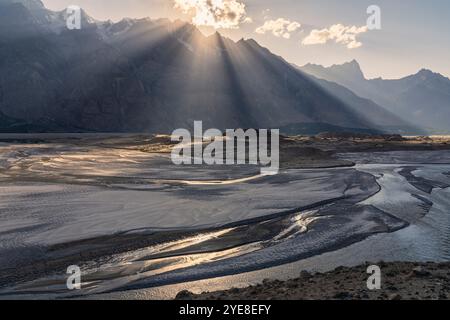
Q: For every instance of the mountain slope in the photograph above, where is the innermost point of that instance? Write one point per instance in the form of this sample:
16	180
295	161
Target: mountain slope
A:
157	75
385	119
423	98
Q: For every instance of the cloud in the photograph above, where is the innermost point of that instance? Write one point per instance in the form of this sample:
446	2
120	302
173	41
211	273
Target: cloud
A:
279	28
346	35
219	14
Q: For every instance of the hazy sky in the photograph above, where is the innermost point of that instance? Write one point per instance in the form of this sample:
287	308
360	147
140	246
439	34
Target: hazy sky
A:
414	33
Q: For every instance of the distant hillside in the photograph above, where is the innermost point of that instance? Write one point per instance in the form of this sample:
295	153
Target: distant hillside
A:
422	98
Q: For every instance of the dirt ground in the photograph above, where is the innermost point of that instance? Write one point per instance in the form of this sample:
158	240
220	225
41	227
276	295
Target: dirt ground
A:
399	281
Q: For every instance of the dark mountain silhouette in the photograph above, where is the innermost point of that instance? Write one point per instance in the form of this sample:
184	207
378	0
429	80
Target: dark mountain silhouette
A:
156	76
423	98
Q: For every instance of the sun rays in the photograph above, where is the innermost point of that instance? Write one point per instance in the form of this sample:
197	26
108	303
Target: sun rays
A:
218	14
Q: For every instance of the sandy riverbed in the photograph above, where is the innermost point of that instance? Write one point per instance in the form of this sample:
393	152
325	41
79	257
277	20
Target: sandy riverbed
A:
133	221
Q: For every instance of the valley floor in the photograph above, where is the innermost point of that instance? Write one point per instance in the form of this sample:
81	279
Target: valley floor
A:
136	224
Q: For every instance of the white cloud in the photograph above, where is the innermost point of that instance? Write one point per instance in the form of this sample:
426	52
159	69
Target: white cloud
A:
346	35
279	28
220	14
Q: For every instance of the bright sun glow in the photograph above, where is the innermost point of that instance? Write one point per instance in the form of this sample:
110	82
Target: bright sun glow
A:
219	14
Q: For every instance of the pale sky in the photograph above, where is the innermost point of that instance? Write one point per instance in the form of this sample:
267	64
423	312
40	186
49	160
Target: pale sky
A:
414	33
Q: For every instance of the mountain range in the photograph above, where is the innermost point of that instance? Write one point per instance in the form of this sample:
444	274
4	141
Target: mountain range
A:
422	98
143	75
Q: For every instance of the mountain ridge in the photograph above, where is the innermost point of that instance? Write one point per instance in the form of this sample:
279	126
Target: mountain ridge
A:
423	97
158	75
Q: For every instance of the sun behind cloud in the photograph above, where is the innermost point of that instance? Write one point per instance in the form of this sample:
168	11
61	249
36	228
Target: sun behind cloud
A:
219	14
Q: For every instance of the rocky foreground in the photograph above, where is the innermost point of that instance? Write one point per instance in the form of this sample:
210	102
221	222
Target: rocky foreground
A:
400	281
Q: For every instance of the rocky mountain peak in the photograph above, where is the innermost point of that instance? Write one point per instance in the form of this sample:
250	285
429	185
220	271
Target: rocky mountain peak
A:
352	68
30	4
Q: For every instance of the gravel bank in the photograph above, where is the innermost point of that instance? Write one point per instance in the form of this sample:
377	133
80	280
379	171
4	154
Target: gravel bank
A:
400	281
